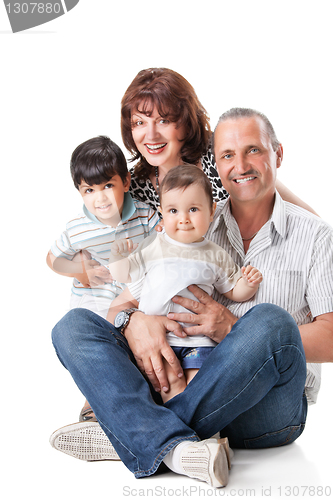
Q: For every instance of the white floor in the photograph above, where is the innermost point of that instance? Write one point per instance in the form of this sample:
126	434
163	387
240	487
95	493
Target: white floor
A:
32	466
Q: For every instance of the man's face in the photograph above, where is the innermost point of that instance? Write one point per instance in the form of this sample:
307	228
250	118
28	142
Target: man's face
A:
245	159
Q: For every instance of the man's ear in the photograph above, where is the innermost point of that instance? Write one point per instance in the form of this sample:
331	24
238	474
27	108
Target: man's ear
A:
279	154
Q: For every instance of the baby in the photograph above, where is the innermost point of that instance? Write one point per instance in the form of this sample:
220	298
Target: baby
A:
165	264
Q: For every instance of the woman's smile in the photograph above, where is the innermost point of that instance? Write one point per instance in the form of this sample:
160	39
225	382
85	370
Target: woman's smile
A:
155	148
158	139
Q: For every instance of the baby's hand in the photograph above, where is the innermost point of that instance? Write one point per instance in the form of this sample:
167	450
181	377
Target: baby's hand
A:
251	275
123	247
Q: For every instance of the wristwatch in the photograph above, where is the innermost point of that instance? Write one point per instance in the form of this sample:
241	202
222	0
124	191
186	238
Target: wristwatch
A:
123	317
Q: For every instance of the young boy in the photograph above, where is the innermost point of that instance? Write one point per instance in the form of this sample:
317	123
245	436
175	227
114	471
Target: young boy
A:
172	261
99	171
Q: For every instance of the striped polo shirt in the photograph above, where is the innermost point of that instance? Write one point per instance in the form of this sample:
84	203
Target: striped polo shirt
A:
86	232
294	252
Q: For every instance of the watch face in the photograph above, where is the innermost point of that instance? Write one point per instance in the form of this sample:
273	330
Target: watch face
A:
119	319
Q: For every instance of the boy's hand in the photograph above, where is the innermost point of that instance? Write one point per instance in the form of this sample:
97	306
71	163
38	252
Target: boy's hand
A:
251	275
97	275
160	226
93	274
123	247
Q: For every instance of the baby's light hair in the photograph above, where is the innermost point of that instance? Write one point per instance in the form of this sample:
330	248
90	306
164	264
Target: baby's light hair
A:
182	177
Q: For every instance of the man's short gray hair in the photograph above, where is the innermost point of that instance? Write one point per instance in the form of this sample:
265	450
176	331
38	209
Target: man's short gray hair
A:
236	113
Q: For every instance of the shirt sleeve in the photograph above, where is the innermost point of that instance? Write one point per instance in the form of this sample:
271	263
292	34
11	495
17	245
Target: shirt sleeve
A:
136	288
153	219
62	247
229	272
136	266
140	257
319	292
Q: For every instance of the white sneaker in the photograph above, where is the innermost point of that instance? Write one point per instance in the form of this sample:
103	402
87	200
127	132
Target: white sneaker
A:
207	460
84	440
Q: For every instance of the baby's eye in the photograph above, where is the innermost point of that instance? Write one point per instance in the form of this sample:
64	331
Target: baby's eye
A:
173	210
194	209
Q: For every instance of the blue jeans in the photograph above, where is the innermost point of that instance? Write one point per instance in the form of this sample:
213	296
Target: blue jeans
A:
251	387
192	357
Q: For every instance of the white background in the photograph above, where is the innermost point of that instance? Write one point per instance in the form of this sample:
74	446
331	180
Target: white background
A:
61	83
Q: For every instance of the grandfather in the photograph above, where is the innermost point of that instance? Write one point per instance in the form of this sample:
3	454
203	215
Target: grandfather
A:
254	387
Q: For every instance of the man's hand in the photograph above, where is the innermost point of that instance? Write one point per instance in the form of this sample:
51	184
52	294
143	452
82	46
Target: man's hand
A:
211	319
146	337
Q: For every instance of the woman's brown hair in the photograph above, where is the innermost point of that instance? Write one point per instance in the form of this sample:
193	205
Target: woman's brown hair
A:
175	100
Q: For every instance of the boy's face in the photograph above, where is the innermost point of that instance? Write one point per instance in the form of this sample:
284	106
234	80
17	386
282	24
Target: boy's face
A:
186	213
106	200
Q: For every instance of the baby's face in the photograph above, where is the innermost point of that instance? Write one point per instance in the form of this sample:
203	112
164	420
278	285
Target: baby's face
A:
186	213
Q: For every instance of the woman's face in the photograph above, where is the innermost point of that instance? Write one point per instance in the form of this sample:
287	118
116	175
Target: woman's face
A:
158	139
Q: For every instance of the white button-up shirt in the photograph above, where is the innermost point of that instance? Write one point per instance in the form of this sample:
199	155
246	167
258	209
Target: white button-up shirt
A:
294	253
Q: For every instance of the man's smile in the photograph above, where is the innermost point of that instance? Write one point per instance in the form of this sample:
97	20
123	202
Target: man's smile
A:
244	179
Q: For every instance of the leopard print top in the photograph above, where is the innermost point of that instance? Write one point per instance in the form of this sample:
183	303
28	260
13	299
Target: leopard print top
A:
144	191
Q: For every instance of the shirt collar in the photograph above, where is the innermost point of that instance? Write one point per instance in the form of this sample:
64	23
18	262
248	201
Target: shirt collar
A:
278	218
127	213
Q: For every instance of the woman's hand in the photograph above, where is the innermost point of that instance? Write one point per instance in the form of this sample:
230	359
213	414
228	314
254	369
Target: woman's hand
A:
209	317
146	337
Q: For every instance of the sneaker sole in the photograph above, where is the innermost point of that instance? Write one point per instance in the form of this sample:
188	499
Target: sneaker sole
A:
220	476
207	461
85	441
228	451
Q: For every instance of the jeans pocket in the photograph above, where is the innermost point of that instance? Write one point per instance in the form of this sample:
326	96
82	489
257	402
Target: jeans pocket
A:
273	439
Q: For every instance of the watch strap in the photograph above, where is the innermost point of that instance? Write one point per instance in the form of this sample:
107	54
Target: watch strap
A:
129	313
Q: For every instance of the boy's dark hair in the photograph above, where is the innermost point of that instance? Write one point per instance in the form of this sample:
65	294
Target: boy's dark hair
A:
97	160
182	177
